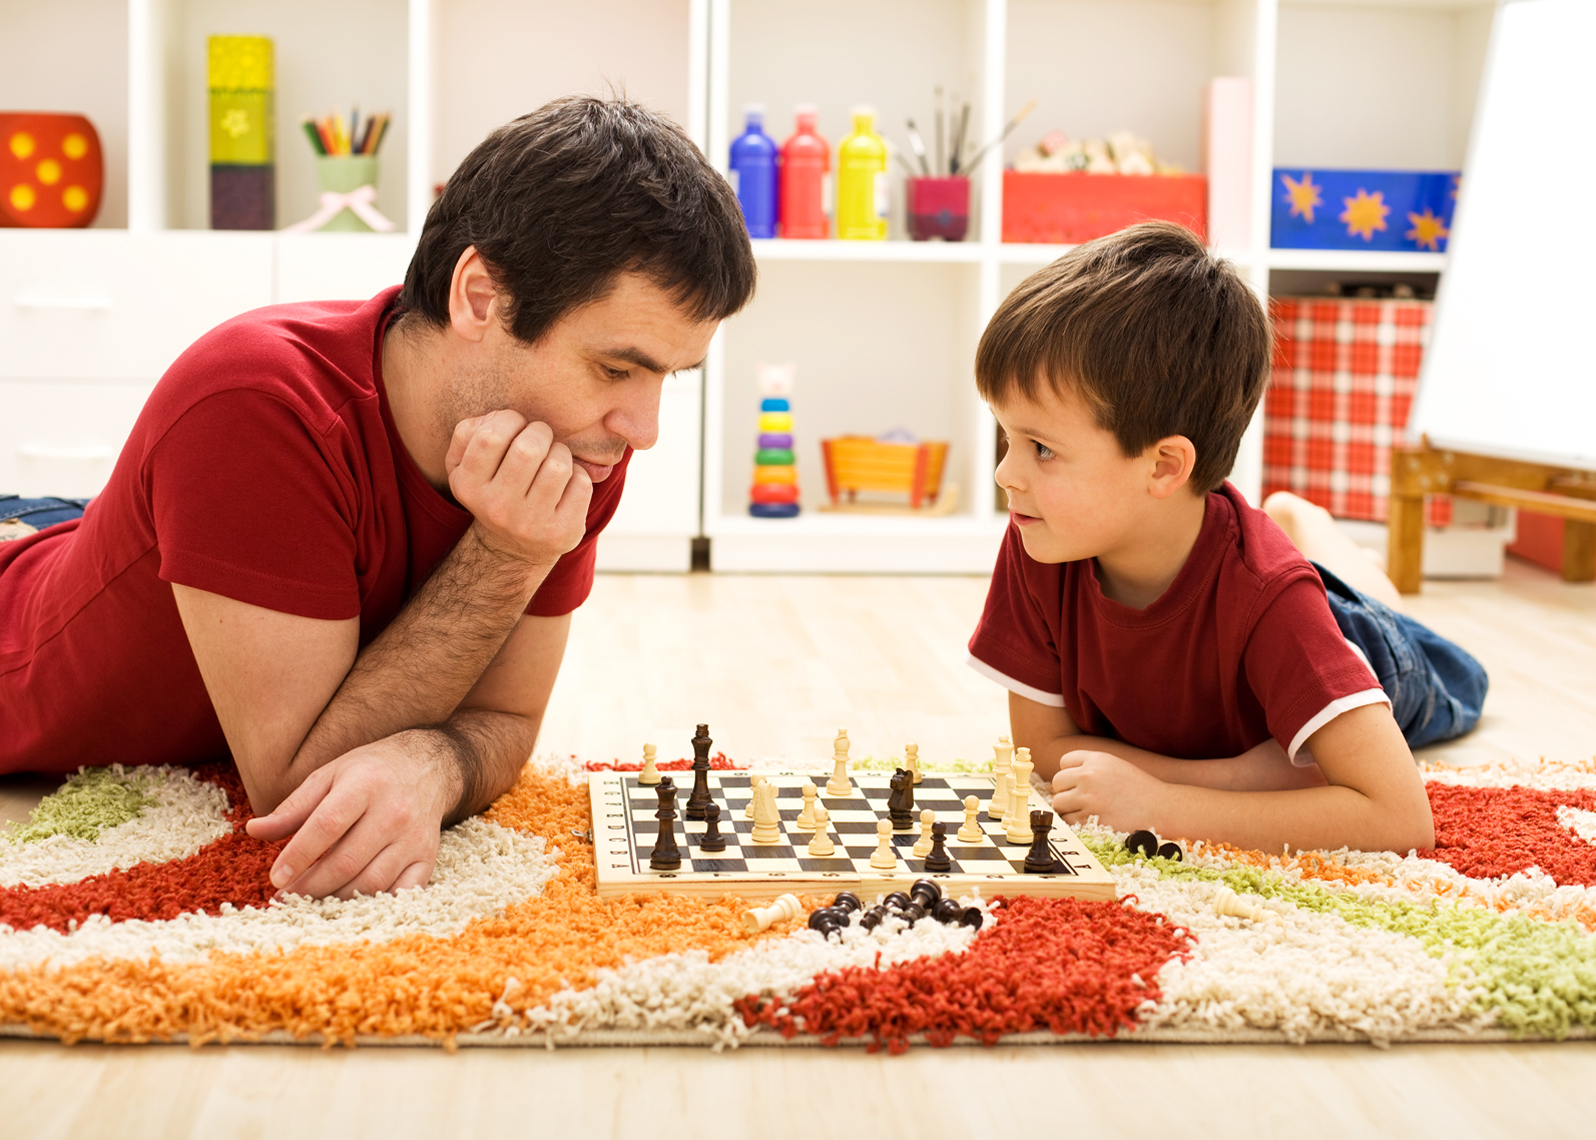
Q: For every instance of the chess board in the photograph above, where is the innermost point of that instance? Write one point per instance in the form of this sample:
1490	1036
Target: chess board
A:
625	830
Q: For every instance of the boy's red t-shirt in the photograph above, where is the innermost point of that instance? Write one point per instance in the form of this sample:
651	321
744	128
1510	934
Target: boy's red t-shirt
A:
264	467
1241	647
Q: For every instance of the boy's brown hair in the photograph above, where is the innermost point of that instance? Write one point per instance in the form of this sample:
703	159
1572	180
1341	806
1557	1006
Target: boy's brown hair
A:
1156	335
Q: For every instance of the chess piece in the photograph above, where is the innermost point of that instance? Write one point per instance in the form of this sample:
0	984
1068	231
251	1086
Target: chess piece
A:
900	803
713	840
1228	902
911	761
926	893
1172	851
922	846
666	855
839	784
884	857
785	908
820	844
649	776
806	817
827	920
699	796
753	790
947	911
938	861
1039	859
767	819
999	805
873	917
848	901
1017	822
970	830
1143	843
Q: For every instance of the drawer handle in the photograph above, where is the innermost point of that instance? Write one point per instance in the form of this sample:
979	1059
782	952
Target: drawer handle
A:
43	301
50	451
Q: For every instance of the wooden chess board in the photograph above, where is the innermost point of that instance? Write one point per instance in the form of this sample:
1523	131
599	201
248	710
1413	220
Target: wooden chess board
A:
625	830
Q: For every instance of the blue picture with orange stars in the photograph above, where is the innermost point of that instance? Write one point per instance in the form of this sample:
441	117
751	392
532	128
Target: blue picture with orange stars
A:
1362	209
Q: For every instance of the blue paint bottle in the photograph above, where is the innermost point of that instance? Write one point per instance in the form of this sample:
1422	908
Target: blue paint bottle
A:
753	174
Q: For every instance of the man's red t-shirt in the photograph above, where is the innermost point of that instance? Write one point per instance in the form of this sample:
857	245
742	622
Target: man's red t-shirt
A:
1241	647
265	467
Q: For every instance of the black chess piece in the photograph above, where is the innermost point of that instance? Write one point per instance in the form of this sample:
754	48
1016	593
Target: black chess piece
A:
873	917
847	901
826	919
666	855
1172	851
699	797
912	913
1039	859
1143	843
897	900
948	911
926	893
973	918
900	800
938	862
713	840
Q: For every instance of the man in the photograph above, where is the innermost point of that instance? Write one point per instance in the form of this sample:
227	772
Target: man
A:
344	540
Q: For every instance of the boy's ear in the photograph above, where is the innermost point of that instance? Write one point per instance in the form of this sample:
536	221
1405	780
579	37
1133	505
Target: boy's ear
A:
1173	459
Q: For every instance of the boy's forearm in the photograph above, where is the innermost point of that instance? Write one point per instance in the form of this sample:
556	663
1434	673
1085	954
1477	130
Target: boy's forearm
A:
1262	768
1325	818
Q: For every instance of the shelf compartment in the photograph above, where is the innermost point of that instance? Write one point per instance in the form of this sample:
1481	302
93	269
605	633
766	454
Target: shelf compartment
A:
1357	261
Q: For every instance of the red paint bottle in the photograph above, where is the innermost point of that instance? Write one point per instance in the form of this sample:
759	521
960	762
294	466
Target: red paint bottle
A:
805	179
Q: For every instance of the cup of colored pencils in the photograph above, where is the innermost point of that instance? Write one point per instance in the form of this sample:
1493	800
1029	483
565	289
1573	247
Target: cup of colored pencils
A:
346	158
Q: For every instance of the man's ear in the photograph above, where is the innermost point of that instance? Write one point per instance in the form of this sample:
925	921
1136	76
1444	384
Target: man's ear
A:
1173	459
473	296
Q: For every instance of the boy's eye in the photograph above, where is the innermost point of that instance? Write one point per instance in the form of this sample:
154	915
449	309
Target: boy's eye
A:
1042	450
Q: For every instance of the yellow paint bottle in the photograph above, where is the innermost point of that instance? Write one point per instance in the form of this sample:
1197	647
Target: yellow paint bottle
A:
864	194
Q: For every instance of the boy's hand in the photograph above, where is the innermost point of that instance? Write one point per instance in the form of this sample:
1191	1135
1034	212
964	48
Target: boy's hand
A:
1116	791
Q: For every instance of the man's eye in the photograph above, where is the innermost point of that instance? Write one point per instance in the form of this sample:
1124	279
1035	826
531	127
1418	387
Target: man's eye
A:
1042	450
617	373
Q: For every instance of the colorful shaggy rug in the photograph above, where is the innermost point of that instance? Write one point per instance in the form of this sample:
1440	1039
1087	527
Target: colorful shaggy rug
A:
134	908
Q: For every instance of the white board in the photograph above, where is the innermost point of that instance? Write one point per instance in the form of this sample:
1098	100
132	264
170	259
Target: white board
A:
1511	367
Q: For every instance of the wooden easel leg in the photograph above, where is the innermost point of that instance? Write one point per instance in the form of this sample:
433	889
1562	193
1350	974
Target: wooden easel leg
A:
1579	551
1404	554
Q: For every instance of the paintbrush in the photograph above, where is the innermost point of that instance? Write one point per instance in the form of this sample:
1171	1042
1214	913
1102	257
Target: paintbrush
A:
1007	130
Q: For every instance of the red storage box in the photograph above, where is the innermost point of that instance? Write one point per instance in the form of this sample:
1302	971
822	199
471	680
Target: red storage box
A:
1344	377
1077	207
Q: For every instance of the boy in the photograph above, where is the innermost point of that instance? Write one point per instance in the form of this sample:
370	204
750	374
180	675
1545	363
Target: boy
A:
1173	661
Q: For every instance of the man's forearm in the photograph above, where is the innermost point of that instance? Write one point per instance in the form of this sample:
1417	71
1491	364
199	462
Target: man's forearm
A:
480	751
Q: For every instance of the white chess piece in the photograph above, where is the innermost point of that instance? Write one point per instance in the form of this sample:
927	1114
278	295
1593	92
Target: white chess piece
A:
884	857
922	846
785	908
806	817
1001	751
767	818
911	760
820	844
753	788
1017	824
649	776
970	831
1228	902
839	784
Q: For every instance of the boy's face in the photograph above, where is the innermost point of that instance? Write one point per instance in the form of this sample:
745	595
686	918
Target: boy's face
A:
1072	492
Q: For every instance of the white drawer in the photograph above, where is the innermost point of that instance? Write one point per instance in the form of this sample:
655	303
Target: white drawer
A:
63	439
340	266
105	304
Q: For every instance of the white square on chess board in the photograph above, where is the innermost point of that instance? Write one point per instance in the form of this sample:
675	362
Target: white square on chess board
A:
625	830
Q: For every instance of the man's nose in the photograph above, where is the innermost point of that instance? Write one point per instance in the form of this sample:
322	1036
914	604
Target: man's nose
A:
636	417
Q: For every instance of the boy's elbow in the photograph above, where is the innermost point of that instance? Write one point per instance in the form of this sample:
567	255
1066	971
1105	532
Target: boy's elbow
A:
1415	830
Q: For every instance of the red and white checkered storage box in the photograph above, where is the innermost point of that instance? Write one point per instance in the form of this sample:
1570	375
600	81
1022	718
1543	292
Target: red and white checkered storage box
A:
1344	377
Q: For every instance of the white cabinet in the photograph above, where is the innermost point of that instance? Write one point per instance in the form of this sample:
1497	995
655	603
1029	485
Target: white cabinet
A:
62	438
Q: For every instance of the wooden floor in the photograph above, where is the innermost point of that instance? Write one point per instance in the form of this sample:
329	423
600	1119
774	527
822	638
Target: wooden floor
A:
776	665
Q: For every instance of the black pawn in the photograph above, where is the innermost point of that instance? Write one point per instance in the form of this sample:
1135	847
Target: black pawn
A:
937	861
874	917
973	918
900	803
926	893
713	840
698	799
1171	850
1039	859
1143	843
666	856
847	901
947	911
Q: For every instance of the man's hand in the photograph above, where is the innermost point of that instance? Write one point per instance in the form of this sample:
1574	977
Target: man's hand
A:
528	499
365	823
1117	792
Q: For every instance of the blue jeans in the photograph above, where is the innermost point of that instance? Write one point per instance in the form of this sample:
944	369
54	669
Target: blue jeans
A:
40	513
1436	689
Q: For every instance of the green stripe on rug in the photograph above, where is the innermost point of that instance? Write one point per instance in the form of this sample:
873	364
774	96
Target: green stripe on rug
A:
1537	977
87	804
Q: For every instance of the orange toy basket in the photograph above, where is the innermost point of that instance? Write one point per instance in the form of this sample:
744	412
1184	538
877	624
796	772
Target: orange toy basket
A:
857	463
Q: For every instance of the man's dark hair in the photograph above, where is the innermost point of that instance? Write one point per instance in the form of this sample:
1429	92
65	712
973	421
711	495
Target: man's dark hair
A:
1155	334
561	201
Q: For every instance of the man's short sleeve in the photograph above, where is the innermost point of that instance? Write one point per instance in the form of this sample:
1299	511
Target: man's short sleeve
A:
1300	667
571	580
1016	641
249	502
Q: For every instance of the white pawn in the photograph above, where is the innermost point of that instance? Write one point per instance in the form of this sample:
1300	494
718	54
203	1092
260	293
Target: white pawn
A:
760	917
970	831
922	846
806	818
1001	751
820	844
1017	824
884	858
839	784
753	788
911	760
649	776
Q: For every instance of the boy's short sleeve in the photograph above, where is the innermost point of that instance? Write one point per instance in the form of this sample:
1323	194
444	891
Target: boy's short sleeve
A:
263	514
1016	642
1301	669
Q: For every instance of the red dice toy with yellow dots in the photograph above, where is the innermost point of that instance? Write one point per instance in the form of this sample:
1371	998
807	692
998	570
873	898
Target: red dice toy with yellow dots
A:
51	170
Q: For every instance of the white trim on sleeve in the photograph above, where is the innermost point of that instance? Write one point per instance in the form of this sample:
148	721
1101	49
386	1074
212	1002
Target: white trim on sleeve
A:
1327	714
1052	700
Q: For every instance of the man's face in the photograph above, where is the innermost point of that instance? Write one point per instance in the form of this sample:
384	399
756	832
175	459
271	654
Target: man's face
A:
1072	492
595	378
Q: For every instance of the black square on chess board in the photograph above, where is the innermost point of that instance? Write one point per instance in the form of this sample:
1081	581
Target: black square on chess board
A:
625	830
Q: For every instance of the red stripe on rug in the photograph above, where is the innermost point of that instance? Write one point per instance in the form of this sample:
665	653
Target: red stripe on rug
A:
1048	964
1490	833
717	763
